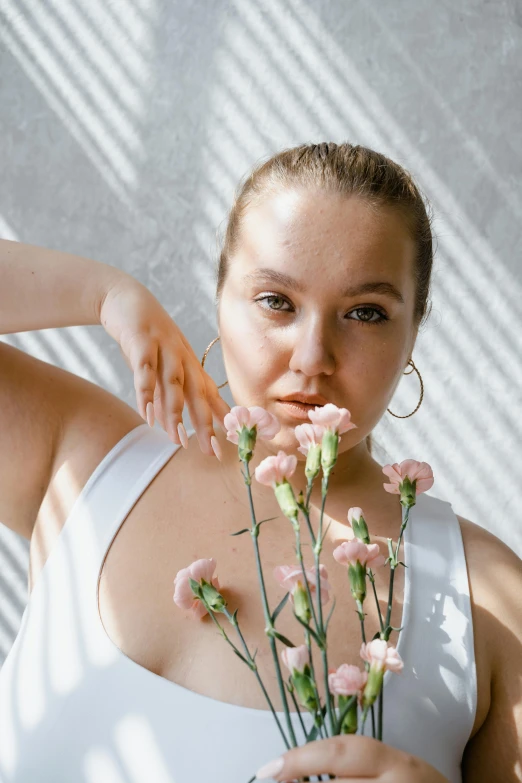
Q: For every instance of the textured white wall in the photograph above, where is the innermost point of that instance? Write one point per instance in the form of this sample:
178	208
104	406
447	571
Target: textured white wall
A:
125	126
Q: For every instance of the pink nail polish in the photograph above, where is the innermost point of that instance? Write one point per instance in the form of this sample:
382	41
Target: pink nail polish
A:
270	769
183	435
150	414
216	448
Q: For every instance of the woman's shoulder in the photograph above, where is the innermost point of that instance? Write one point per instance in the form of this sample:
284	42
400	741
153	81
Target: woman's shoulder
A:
495	579
485	549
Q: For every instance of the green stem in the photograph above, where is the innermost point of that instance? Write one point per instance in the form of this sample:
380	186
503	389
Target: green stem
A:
372	580
360	612
268	617
306	510
292	694
317	552
386	634
300	559
312	672
254	668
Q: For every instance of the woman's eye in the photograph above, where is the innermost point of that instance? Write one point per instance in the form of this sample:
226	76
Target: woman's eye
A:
382	317
365	319
272	296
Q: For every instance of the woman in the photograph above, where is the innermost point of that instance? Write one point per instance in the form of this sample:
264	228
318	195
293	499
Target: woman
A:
323	283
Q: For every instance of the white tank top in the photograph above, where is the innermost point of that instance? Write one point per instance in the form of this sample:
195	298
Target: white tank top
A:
75	709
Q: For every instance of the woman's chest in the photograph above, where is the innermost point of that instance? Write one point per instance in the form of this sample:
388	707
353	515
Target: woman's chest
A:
139	615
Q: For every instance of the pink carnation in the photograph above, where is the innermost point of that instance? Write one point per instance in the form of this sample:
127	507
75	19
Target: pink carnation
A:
183	595
332	418
349	552
354	513
413	470
267	425
381	656
308	435
289	577
347	680
275	469
295	657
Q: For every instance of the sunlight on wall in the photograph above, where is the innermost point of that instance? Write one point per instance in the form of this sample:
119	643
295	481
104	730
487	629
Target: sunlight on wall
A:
91	63
269	43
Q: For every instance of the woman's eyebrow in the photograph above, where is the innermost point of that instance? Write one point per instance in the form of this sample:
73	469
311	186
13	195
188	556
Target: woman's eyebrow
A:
281	278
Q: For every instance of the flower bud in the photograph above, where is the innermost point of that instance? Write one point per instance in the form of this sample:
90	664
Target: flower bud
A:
408	493
286	499
373	686
301	603
349	724
211	597
305	688
329	446
357	575
313	461
358	523
246	443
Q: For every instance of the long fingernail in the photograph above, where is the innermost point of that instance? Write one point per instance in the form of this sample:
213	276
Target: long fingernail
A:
271	769
182	435
150	414
216	448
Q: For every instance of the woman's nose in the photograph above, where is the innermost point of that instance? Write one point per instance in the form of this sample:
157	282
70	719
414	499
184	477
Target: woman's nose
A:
312	352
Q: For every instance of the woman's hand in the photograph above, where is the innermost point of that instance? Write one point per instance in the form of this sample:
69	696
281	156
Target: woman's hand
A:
166	370
353	758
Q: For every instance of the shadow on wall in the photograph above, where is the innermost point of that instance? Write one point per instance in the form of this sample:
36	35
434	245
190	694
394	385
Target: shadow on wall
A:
140	118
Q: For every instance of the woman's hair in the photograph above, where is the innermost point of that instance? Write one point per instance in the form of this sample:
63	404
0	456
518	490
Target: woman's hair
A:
349	170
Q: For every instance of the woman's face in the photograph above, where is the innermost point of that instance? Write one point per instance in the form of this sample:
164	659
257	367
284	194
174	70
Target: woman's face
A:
292	320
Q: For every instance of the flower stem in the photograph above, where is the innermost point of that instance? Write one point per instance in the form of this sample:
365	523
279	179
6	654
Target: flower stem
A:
386	633
312	672
292	694
306	510
317	552
360	612
268	617
372	580
252	664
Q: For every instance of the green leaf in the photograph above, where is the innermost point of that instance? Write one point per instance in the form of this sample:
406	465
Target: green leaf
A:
329	615
308	627
267	520
376	635
241	656
283	639
245	530
345	711
312	734
279	607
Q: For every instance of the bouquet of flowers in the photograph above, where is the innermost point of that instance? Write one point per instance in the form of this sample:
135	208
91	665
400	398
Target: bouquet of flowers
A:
198	590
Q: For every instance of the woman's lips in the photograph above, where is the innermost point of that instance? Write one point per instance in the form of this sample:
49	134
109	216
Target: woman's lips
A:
297	410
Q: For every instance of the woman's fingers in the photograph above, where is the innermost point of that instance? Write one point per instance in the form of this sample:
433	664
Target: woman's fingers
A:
346	756
166	379
195	390
143	357
218	406
171	378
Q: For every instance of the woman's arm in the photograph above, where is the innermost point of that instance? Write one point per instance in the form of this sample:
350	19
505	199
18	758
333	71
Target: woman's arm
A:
39	289
42	288
495	752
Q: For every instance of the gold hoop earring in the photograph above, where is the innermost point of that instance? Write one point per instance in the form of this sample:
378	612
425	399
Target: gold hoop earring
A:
205	356
389	411
421	394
